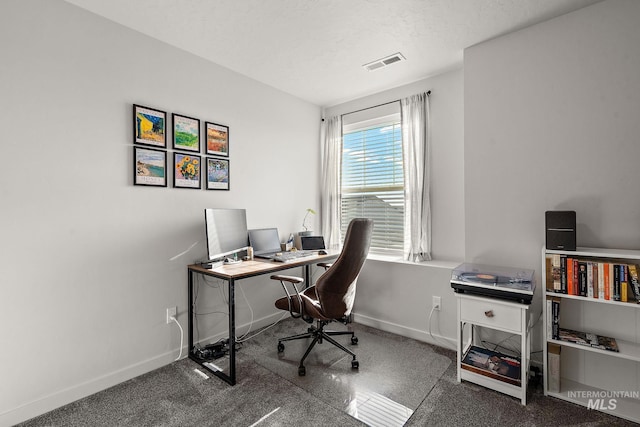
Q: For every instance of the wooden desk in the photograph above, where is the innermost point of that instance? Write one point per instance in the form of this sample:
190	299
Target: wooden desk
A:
230	273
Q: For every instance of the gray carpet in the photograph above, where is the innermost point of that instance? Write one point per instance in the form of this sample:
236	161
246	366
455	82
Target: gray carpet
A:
400	382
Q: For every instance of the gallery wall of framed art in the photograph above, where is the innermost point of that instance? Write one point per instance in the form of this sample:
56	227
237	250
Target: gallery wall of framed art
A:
188	155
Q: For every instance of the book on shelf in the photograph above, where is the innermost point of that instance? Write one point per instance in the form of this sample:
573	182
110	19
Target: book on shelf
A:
570	281
616	283
612	268
582	278
624	271
556	272
601	280
577	265
563	274
588	339
607	284
553	318
549	322
492	364
553	376
634	282
590	268
593	278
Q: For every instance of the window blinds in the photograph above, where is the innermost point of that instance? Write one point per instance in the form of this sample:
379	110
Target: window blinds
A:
372	183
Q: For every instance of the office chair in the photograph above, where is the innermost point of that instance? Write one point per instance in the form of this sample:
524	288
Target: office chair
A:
331	298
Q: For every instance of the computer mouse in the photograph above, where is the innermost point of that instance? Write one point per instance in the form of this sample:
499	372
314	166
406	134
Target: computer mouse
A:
322	252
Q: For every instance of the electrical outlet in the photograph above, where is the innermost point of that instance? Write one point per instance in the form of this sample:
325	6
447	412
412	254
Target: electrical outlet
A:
171	312
436	303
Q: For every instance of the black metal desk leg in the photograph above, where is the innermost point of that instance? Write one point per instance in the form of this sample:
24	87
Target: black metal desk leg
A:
190	311
232	332
307	275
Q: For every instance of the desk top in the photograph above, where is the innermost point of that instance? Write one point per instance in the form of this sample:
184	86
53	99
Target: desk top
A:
257	266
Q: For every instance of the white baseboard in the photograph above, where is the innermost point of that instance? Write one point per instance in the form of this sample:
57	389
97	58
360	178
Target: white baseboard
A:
71	394
68	395
405	331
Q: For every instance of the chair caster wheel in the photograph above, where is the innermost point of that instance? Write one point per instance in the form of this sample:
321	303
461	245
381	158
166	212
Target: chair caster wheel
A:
280	347
354	340
355	364
302	371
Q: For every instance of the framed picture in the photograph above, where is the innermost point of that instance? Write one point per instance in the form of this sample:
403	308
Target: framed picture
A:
217	174
186	133
217	139
186	171
149	126
149	167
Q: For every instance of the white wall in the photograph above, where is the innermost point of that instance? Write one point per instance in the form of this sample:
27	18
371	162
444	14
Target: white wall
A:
396	296
552	123
86	257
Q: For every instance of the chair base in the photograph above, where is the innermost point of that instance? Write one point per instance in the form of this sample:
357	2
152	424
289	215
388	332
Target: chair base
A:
319	334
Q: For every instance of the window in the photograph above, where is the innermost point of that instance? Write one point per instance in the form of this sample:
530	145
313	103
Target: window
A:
372	179
377	167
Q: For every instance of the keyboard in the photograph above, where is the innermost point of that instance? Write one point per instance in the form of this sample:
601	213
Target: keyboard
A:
292	256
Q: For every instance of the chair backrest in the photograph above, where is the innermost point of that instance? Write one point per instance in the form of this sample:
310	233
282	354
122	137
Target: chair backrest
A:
336	288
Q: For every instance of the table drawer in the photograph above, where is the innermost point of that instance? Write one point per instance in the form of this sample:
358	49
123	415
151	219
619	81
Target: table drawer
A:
486	312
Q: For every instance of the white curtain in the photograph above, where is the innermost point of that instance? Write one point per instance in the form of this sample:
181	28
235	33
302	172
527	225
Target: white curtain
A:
414	112
330	199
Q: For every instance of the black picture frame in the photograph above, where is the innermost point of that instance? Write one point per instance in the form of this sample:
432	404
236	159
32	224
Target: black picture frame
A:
186	133
149	167
149	126
217	139
218	174
187	171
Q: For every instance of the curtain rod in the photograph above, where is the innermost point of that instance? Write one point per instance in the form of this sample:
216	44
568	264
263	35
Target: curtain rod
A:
369	108
375	106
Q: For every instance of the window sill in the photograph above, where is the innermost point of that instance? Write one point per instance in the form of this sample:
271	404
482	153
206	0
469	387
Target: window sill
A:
397	259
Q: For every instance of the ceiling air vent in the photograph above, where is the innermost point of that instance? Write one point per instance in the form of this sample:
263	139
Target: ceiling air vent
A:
380	63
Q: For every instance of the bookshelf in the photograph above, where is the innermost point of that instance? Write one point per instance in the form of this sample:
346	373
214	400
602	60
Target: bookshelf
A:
599	379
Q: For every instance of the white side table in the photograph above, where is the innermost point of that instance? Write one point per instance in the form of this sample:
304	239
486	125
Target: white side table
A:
501	315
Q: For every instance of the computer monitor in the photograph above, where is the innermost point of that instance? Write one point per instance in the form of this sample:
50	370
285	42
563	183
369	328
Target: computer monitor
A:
226	231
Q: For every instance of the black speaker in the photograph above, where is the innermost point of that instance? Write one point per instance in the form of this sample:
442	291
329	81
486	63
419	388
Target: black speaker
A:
561	230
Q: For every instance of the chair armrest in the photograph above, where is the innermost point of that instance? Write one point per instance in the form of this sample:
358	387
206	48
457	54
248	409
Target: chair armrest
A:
290	279
294	280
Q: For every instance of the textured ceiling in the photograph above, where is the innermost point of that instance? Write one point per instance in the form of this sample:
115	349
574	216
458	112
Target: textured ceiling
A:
315	49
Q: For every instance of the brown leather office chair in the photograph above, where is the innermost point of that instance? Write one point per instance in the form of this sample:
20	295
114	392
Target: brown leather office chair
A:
331	298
